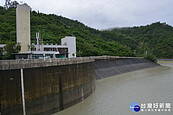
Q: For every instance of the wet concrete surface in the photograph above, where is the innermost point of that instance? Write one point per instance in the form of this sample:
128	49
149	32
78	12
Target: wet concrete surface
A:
108	68
114	95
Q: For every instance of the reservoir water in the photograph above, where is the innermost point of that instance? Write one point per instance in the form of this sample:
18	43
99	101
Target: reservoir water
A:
114	95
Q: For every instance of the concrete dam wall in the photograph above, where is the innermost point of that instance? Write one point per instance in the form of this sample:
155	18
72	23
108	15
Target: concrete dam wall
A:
49	86
109	66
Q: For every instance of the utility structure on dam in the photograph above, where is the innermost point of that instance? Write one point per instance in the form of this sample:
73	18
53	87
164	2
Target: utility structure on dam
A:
23	27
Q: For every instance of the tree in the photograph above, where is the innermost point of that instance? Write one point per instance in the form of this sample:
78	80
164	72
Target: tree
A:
11	47
32	47
9	3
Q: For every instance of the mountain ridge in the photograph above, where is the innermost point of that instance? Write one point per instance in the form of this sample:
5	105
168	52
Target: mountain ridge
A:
156	38
90	42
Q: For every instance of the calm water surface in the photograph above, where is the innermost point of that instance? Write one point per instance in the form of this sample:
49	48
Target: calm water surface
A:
113	95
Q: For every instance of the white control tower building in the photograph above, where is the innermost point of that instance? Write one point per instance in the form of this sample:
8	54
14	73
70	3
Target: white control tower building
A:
70	42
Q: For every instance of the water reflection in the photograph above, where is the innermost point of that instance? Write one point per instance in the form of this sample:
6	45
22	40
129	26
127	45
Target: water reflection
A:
113	95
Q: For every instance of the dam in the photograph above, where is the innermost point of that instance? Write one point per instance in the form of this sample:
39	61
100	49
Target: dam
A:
49	86
113	95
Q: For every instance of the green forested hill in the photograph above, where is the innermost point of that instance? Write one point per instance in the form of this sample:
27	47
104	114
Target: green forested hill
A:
52	28
156	38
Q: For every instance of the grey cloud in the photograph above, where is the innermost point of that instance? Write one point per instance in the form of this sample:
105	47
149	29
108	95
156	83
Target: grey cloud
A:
102	14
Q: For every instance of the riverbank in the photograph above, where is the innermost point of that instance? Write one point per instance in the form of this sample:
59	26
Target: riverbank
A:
164	59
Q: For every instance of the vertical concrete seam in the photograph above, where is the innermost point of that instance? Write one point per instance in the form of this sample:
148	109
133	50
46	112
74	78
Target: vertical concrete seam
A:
61	105
23	95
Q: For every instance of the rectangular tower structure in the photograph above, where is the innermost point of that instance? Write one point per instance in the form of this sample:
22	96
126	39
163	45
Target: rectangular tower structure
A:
70	42
23	27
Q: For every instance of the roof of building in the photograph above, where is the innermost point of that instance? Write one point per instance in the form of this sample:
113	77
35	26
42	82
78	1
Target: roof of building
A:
2	45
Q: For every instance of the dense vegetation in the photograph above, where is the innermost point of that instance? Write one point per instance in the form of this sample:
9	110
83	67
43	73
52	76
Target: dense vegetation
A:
156	38
52	28
10	48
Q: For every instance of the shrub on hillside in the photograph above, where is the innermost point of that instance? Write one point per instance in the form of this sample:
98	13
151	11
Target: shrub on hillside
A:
151	57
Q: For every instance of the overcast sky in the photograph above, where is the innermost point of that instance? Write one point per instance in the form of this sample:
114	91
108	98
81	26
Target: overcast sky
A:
103	14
